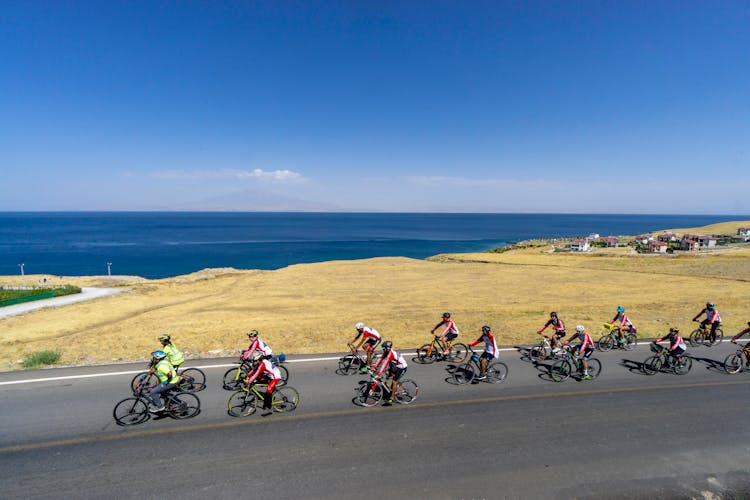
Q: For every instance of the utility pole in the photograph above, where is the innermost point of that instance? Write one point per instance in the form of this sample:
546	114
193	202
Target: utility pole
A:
23	276
109	269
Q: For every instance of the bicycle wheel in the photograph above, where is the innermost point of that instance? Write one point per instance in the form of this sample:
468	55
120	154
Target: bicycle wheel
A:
457	353
232	379
242	404
349	364
192	380
407	392
606	343
183	405
595	367
696	337
733	363
652	365
496	372
131	411
284	399
631	340
683	366
719	337
560	370
137	381
463	374
367	396
425	354
538	353
284	375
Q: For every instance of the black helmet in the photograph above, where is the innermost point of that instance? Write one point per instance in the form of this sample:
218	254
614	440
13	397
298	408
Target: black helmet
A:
387	345
674	330
709	305
446	315
553	313
486	329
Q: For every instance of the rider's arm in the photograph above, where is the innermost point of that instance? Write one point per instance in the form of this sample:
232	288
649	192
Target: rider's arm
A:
656	341
475	342
544	327
253	376
740	334
437	326
384	363
704	310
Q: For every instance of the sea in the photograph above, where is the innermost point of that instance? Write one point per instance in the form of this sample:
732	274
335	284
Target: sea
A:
164	244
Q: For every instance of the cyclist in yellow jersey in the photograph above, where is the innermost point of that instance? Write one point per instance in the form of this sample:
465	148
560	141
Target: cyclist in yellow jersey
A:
168	379
175	355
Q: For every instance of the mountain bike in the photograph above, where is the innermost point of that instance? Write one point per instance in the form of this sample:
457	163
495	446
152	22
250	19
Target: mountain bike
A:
737	362
542	350
191	380
429	353
570	363
371	392
661	360
615	338
466	373
232	379
248	399
702	336
135	410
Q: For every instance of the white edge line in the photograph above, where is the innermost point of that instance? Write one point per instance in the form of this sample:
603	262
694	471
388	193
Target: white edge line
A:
133	372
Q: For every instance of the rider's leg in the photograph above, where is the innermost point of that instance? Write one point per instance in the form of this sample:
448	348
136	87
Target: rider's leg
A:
714	326
746	350
483	365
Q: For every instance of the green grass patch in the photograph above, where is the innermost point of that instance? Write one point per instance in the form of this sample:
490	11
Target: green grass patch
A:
41	358
6	294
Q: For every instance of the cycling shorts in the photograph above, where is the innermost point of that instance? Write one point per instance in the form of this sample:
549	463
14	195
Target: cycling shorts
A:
395	372
451	335
487	355
372	343
587	353
677	351
560	333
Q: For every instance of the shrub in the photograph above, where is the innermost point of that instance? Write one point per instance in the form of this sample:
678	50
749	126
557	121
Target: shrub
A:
41	358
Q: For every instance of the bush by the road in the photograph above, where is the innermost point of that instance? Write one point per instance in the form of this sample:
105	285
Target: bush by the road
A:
41	358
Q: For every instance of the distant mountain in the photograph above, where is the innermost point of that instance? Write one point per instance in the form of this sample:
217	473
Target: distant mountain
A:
258	200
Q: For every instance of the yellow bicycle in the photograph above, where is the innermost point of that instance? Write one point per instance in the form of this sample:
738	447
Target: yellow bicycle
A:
248	399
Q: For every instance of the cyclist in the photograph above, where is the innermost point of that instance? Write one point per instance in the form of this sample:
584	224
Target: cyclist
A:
623	324
746	348
168	379
490	350
396	366
370	339
264	370
712	318
584	349
175	355
449	333
256	345
676	344
557	326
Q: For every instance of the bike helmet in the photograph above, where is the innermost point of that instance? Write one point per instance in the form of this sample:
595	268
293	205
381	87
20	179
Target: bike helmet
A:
580	328
359	326
446	315
552	314
252	333
620	309
486	329
709	305
159	354
165	338
748	323
674	330
387	345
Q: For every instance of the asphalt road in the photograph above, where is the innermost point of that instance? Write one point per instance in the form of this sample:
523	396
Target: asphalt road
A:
623	435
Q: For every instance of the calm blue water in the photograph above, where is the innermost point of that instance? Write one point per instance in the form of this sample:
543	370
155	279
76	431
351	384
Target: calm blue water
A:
157	245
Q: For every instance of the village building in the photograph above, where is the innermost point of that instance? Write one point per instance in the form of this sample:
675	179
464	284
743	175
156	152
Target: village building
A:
579	245
657	246
610	241
667	237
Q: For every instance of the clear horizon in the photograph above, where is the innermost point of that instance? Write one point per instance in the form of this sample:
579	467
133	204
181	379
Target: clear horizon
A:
426	107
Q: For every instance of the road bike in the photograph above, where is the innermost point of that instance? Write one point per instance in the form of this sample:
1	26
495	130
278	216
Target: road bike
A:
542	350
429	353
737	362
232	379
661	361
702	336
249	398
353	362
572	363
615	338
135	410
191	380
370	393
497	371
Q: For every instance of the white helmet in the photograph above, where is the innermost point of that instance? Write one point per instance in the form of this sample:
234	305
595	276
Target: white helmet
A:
580	328
359	326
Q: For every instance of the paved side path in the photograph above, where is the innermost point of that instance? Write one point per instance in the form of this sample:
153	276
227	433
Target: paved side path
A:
87	293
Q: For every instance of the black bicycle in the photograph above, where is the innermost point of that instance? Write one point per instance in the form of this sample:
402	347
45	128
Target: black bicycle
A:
135	410
661	361
497	371
191	380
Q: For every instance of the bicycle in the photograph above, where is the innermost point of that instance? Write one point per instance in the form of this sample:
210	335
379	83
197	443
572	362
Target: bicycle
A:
232	379
351	363
135	410
541	351
737	362
496	372
627	340
660	360
564	367
191	380
702	336
372	392
248	399
429	353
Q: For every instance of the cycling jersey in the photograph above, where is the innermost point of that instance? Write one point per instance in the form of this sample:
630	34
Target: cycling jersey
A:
162	370
712	315
586	341
490	346
675	342
370	334
624	320
392	357
175	355
556	323
265	368
450	327
260	346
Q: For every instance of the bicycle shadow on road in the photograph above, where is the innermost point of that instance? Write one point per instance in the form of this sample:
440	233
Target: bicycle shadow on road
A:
711	364
633	366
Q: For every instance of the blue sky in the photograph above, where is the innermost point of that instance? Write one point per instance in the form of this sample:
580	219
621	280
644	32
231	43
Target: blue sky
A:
591	106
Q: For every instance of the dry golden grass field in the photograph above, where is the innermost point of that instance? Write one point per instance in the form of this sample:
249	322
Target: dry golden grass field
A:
312	308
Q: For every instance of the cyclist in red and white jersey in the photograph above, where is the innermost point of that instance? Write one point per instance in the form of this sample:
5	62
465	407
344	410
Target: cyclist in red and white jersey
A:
490	350
256	345
676	343
449	333
264	370
746	348
713	318
584	349
394	363
558	326
370	339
